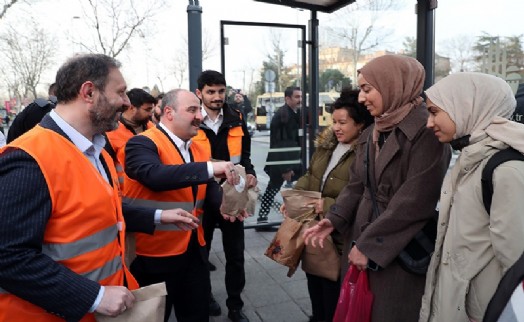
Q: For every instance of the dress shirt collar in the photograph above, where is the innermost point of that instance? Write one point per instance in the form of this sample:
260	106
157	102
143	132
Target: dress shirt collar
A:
180	144
213	124
80	141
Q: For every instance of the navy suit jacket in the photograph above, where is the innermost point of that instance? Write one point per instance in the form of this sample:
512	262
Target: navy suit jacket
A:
25	209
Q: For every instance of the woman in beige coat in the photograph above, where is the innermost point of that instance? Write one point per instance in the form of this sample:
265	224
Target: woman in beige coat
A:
474	248
407	164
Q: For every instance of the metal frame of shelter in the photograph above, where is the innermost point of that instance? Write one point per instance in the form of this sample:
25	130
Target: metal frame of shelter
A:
302	28
425	10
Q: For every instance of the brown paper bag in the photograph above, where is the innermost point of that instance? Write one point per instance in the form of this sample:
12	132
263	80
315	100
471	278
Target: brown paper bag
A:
233	201
318	261
299	202
150	306
252	194
287	245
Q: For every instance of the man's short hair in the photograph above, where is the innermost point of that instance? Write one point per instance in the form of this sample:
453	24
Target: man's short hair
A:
289	91
52	90
170	99
80	69
138	97
210	78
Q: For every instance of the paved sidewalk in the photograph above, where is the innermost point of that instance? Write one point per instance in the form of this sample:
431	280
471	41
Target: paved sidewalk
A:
269	294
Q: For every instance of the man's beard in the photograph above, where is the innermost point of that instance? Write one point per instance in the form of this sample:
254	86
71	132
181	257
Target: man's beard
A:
103	115
212	105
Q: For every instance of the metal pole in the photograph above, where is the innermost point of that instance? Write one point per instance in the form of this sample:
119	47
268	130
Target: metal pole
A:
313	80
425	10
194	42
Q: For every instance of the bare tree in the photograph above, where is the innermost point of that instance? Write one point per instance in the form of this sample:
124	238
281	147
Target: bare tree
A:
114	23
460	50
359	29
180	62
6	5
180	67
26	57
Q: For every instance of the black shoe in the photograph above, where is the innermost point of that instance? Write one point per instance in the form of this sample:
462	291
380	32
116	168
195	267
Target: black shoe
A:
237	316
211	266
214	307
262	220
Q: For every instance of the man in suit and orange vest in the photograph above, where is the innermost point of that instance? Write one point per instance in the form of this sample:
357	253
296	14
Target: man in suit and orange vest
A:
134	120
165	168
227	138
62	221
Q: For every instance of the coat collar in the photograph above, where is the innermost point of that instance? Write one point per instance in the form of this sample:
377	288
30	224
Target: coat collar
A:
410	126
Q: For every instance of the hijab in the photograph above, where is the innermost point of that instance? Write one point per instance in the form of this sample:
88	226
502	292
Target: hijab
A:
480	105
399	79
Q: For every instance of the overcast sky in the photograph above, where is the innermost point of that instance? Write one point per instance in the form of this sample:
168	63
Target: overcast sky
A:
151	59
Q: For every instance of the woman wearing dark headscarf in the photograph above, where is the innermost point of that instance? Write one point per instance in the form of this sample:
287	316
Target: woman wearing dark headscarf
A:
406	166
474	248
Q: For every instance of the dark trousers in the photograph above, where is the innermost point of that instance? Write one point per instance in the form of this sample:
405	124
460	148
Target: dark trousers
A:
273	187
187	281
233	244
324	297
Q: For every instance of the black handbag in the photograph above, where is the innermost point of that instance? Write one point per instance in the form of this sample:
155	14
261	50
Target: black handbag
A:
416	256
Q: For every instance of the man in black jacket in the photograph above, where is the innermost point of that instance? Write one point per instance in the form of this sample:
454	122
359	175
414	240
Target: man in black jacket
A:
229	140
32	114
283	158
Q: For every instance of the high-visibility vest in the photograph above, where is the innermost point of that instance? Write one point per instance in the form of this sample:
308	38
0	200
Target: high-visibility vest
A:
118	139
234	142
86	229
167	240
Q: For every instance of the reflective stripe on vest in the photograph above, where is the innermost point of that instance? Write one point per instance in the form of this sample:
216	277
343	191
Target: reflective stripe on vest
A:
234	143
187	206
60	252
98	274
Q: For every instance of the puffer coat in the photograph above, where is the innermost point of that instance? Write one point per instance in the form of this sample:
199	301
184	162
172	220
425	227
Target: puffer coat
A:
337	179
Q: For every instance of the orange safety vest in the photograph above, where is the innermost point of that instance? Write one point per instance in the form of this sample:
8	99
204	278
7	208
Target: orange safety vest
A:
234	142
86	226
118	139
167	240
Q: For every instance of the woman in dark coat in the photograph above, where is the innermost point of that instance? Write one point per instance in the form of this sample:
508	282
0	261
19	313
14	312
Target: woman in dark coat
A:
406	167
329	173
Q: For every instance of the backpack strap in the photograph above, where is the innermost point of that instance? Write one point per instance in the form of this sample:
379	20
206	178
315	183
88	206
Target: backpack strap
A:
487	173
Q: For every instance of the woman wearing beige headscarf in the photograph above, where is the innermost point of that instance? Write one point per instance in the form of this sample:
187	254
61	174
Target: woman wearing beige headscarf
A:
406	166
474	248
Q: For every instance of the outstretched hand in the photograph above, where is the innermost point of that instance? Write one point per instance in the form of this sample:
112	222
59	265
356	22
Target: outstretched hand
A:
179	217
319	233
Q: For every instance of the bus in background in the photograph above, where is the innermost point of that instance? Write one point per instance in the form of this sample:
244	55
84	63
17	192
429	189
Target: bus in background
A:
265	106
268	103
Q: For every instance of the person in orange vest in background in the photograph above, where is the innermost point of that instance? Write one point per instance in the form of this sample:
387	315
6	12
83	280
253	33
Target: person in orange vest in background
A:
165	168
134	120
62	221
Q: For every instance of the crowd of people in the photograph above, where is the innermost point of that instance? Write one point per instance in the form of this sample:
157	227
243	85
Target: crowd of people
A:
107	171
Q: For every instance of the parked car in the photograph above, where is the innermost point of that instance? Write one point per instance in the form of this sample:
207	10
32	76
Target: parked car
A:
251	128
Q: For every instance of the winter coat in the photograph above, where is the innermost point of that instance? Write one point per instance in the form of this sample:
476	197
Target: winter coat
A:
408	175
335	181
470	259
